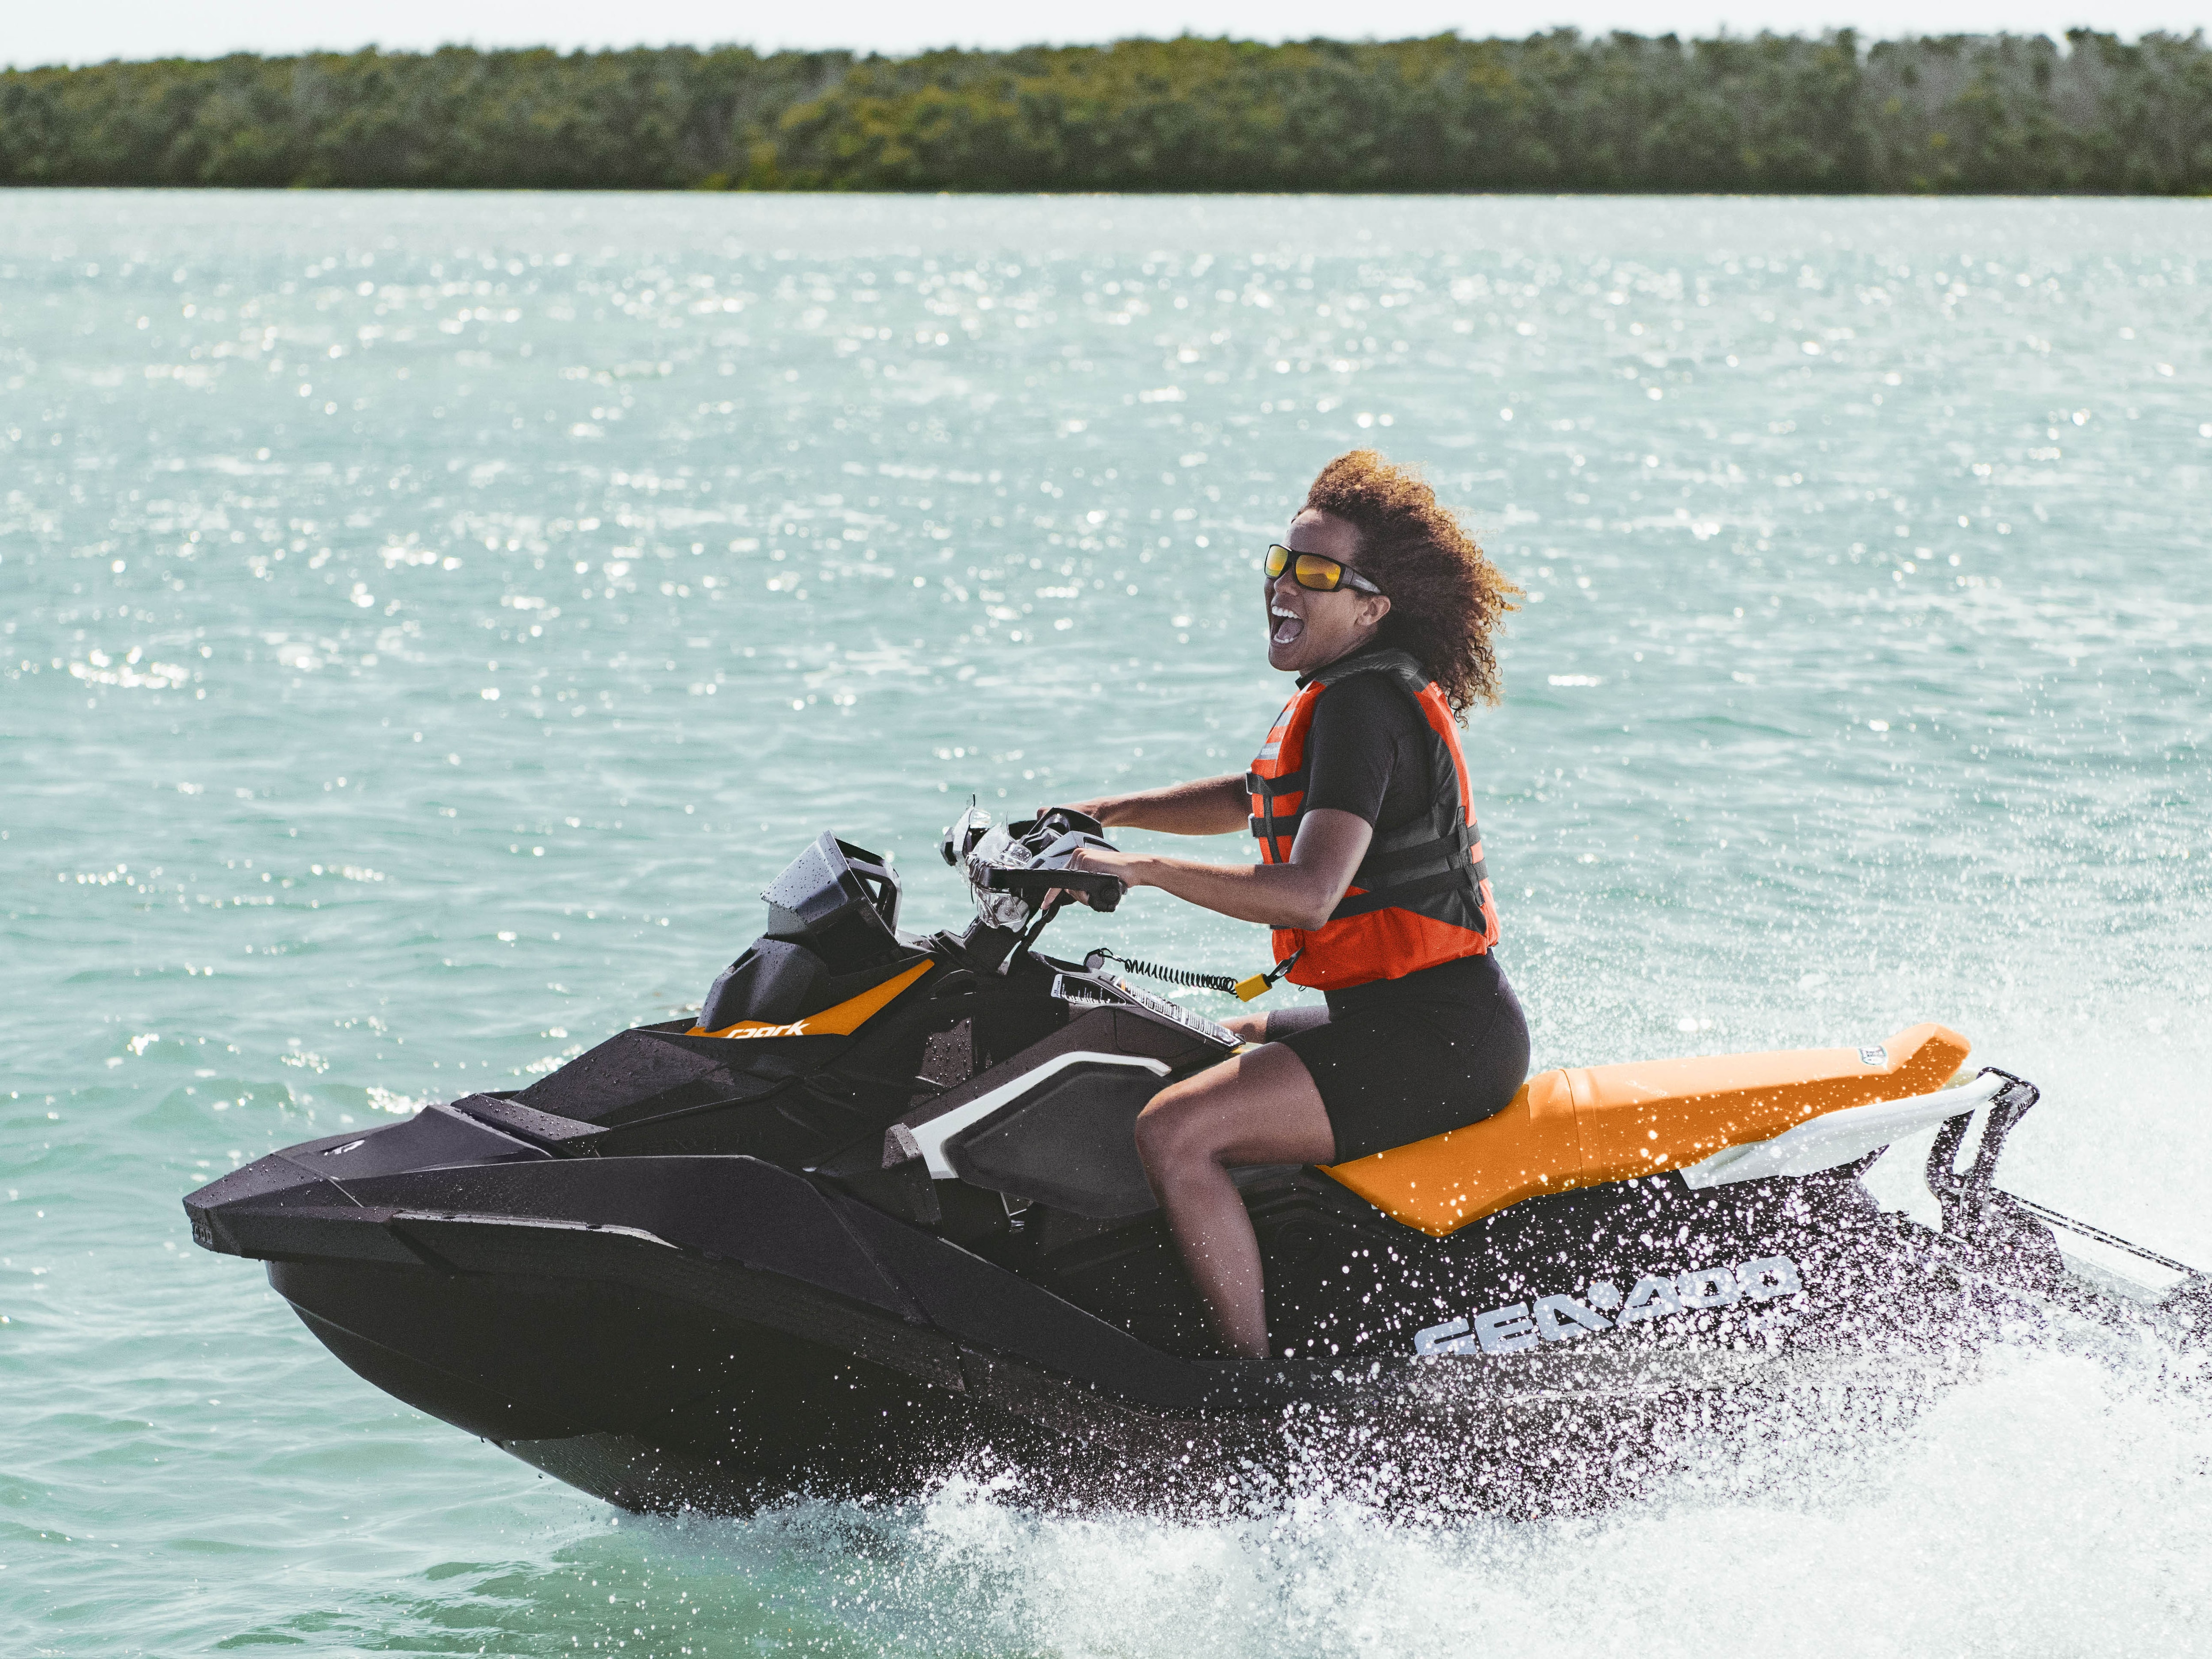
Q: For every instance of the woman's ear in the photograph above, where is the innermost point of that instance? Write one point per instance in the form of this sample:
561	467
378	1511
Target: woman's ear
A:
1373	607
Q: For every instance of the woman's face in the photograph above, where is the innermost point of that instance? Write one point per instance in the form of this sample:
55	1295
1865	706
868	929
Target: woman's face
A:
1309	630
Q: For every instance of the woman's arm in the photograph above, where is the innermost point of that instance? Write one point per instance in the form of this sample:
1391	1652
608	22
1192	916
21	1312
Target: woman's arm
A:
1299	894
1209	806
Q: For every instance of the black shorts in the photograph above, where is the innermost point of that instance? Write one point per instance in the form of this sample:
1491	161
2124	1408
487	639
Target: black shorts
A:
1401	1060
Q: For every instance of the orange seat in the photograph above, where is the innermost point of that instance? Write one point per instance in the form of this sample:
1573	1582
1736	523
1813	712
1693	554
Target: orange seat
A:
1590	1125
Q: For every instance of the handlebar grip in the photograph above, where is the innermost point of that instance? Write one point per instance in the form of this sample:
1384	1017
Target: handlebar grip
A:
1105	891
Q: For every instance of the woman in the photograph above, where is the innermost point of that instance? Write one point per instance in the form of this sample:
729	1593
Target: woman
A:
1370	874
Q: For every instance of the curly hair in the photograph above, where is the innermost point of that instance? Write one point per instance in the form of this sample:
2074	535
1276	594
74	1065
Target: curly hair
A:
1446	596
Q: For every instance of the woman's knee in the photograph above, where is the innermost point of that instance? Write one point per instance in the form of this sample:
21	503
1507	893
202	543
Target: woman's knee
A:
1172	1130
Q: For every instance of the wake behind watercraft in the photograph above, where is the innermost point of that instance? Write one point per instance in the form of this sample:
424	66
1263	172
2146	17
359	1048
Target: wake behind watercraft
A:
879	1207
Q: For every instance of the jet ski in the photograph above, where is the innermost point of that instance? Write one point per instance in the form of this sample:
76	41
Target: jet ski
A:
876	1207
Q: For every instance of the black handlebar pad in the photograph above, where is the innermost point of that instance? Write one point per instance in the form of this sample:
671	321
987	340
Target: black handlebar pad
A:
1105	891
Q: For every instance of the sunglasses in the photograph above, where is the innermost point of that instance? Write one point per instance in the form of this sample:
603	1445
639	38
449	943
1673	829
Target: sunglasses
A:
1313	571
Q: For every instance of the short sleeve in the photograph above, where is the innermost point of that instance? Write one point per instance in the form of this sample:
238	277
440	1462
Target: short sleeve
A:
1352	745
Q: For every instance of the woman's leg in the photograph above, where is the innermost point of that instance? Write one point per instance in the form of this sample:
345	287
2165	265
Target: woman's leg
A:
1259	1107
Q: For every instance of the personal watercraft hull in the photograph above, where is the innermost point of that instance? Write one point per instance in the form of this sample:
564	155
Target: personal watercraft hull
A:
710	1331
884	1214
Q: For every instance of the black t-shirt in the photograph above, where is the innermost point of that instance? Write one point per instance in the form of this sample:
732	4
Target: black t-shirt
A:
1367	753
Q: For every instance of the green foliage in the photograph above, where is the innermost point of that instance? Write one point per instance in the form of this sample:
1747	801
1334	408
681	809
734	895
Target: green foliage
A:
1553	111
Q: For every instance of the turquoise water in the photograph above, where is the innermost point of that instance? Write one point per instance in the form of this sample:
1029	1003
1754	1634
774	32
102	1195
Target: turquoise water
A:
429	620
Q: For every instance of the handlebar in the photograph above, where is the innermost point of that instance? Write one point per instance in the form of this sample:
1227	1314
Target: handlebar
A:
1102	892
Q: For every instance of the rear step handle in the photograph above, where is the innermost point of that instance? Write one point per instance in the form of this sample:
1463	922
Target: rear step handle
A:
1962	1195
1976	1209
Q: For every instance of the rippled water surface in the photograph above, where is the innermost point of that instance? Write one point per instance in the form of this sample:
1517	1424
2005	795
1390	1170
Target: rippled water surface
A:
429	620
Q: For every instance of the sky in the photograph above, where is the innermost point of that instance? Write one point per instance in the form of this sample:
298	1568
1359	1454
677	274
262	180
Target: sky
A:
91	31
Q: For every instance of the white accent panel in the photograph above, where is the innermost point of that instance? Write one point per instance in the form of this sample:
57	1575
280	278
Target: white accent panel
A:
932	1136
550	1223
1835	1138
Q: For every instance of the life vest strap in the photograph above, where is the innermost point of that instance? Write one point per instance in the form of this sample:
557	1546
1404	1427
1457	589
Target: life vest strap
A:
1416	839
1398	892
1448	852
1395	869
1289	784
1414	845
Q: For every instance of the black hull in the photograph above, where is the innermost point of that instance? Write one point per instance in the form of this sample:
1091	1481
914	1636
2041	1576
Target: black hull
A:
659	1378
633	1394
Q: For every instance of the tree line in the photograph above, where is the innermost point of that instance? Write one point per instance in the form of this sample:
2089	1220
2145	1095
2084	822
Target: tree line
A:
1555	111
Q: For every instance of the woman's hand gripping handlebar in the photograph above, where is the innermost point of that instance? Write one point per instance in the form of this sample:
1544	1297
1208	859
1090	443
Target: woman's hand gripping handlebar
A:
1048	887
1080	865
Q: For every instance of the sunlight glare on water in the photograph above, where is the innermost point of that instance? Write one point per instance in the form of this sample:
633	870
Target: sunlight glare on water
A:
430	620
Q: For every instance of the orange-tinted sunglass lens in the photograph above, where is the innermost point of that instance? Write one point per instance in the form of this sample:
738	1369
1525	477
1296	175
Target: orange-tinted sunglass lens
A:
1309	570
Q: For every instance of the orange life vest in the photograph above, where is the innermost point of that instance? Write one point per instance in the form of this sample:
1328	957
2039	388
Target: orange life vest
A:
1421	895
